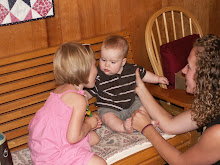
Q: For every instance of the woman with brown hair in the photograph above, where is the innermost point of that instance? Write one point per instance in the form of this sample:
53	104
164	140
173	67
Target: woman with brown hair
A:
202	79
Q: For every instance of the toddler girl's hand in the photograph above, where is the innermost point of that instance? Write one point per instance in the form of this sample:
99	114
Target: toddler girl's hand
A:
163	80
99	122
94	122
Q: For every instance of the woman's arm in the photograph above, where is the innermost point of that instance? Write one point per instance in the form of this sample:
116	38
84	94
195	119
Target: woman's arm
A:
206	151
172	125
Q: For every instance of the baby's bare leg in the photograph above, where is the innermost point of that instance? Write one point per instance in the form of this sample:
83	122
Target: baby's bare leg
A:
115	123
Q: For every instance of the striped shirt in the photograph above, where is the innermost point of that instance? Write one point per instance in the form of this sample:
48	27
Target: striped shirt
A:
116	91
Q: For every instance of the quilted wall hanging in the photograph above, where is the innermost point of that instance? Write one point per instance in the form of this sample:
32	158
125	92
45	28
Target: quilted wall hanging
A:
19	11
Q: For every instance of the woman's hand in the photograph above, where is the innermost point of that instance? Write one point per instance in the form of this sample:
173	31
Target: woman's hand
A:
140	119
139	83
99	122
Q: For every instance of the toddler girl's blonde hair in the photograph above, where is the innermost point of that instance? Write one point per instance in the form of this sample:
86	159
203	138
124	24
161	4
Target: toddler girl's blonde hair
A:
72	63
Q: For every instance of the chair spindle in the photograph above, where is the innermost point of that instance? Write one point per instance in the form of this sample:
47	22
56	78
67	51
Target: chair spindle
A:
173	21
165	25
182	24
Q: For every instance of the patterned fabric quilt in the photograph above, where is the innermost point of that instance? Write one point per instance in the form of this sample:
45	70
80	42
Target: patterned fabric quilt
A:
112	146
18	11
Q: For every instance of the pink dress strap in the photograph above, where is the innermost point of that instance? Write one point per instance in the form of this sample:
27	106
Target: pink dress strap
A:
81	92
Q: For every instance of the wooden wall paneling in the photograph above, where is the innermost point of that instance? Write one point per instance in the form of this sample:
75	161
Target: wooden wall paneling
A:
126	14
141	12
200	9
89	23
172	3
216	13
6	41
54	28
112	16
22	37
39	34
99	16
70	20
214	17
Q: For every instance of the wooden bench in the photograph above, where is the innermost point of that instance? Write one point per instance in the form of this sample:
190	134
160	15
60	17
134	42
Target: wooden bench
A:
26	80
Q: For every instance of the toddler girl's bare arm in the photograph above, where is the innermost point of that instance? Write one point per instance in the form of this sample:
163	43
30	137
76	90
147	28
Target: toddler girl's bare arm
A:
79	127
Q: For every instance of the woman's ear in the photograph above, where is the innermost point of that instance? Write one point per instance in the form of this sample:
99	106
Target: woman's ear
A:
124	61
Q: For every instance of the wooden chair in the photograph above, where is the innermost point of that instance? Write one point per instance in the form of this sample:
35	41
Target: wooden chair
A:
167	24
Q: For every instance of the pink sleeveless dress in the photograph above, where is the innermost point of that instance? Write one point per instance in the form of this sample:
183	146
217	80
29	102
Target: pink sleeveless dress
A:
47	135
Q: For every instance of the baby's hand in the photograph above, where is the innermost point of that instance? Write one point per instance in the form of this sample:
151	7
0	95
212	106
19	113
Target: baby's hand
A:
163	80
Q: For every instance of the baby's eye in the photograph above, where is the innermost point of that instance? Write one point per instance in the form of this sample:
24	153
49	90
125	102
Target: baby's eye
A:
102	59
113	62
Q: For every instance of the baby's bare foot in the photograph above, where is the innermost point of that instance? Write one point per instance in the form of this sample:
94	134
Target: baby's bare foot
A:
128	125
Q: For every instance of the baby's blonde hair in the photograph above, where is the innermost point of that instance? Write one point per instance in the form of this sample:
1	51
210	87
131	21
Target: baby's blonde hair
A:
72	63
116	42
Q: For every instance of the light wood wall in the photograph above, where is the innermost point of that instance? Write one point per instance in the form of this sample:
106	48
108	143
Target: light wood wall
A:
80	19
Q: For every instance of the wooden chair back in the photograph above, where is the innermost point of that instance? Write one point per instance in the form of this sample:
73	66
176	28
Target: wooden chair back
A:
168	24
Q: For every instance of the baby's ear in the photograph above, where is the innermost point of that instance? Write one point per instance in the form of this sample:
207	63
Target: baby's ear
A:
124	61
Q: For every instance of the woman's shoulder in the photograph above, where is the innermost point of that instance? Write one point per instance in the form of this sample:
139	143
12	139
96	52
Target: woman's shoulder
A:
211	142
211	136
213	131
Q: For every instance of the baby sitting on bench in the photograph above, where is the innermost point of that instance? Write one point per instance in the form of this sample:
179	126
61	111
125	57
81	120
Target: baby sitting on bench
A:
115	84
